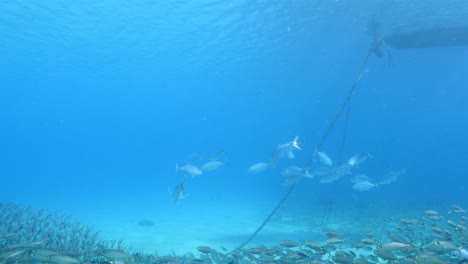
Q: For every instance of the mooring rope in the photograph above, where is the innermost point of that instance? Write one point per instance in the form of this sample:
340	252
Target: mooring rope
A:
331	201
344	106
291	187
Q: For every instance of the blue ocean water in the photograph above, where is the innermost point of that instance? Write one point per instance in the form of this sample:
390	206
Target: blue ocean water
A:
100	100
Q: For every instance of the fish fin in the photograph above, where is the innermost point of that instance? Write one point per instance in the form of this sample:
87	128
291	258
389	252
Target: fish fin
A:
308	175
295	143
290	155
176	167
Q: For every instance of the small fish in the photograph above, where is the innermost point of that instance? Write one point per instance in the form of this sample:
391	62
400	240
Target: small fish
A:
336	173
288	243
391	177
360	178
333	233
189	170
368	241
114	254
146	222
296	171
296	255
460	253
11	254
313	245
385	254
364	186
259	167
212	165
284	150
431	212
429	259
392	246
256	250
343	257
358	159
179	192
444	246
335	240
62	259
324	158
45	252
271	252
205	249
409	221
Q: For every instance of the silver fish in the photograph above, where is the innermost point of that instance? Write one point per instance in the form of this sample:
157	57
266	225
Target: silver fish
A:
360	178
461	253
324	158
259	167
358	159
284	150
392	246
391	177
179	193
364	186
336	173
114	254
189	170
294	170
212	165
61	259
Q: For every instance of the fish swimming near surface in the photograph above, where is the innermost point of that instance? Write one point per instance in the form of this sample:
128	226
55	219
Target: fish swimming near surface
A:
189	170
285	150
259	167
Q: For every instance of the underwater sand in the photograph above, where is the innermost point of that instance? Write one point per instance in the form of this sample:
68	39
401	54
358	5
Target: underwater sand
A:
181	228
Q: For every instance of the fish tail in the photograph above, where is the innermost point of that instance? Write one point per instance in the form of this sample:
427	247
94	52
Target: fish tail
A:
295	143
308	174
176	167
